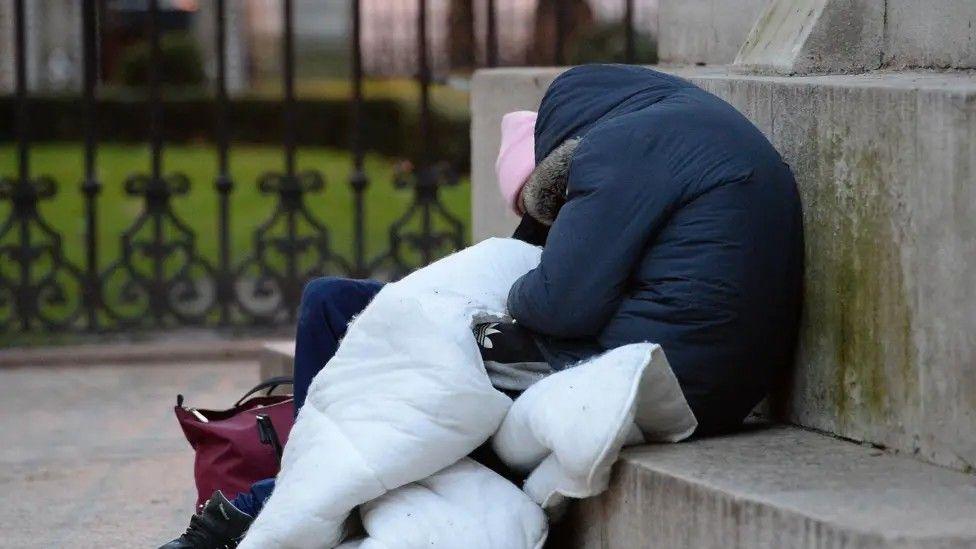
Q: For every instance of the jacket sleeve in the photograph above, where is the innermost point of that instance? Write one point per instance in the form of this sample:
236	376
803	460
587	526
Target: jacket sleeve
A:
531	231
618	197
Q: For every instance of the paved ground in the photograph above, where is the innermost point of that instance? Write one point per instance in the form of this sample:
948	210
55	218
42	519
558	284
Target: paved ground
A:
92	456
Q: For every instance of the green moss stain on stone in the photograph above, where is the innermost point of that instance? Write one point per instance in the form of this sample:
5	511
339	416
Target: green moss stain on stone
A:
856	304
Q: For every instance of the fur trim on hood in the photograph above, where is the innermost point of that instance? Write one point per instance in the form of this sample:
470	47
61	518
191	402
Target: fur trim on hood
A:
545	191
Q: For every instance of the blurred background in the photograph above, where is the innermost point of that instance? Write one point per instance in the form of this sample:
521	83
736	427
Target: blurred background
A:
174	163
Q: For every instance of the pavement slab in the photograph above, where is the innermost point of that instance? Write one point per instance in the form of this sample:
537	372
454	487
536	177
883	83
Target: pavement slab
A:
92	456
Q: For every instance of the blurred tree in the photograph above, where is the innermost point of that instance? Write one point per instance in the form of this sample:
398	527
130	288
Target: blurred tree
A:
576	16
461	38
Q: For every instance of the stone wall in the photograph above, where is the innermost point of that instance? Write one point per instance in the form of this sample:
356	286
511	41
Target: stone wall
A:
923	33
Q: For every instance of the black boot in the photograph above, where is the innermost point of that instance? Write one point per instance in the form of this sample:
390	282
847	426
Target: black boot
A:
218	525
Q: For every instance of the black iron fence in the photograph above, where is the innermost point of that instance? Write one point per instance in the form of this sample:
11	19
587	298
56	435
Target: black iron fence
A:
159	276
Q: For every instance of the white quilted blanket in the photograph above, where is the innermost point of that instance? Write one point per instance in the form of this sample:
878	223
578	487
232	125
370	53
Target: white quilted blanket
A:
389	421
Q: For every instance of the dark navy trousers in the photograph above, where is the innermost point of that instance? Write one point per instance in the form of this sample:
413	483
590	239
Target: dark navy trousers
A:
328	304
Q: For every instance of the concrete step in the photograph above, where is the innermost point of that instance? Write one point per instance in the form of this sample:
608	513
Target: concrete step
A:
774	487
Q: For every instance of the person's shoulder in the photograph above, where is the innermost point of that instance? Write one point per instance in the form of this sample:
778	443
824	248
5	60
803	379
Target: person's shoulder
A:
637	132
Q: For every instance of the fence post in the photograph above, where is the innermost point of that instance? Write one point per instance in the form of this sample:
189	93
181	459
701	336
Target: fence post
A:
358	180
21	189
290	185
156	192
423	75
91	186
224	184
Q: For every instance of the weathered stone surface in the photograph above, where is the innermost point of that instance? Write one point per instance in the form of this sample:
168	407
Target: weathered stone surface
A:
780	487
704	31
843	36
886	165
277	358
923	33
815	36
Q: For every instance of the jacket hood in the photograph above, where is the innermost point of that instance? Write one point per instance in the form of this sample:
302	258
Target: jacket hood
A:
583	96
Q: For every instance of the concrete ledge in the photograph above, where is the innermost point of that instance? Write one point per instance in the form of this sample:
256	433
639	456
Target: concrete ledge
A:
886	166
778	487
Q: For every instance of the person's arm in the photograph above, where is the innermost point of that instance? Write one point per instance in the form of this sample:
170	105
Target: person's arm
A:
618	197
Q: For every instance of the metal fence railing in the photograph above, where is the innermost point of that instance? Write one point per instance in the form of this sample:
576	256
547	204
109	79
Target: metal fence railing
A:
159	276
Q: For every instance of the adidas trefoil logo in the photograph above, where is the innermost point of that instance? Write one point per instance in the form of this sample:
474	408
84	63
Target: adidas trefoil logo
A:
484	331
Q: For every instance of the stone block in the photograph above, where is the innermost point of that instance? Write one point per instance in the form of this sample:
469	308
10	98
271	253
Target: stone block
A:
704	31
926	34
774	488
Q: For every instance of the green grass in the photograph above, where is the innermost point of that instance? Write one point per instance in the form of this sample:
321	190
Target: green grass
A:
198	209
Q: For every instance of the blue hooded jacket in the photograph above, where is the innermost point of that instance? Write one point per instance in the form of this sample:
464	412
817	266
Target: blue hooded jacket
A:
682	226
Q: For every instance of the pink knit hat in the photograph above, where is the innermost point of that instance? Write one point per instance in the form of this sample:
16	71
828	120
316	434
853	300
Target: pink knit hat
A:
516	156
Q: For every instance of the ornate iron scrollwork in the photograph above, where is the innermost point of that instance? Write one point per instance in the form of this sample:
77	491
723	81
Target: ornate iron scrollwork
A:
290	247
159	275
427	230
39	287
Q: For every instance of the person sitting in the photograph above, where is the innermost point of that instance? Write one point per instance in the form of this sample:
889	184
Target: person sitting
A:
665	216
673	220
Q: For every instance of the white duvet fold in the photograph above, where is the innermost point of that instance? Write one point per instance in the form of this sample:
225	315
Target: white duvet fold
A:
388	422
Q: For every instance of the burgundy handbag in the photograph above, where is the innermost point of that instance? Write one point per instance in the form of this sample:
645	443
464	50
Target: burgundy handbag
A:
240	446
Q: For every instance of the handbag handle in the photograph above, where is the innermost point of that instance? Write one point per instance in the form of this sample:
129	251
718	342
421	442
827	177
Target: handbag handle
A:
269	384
